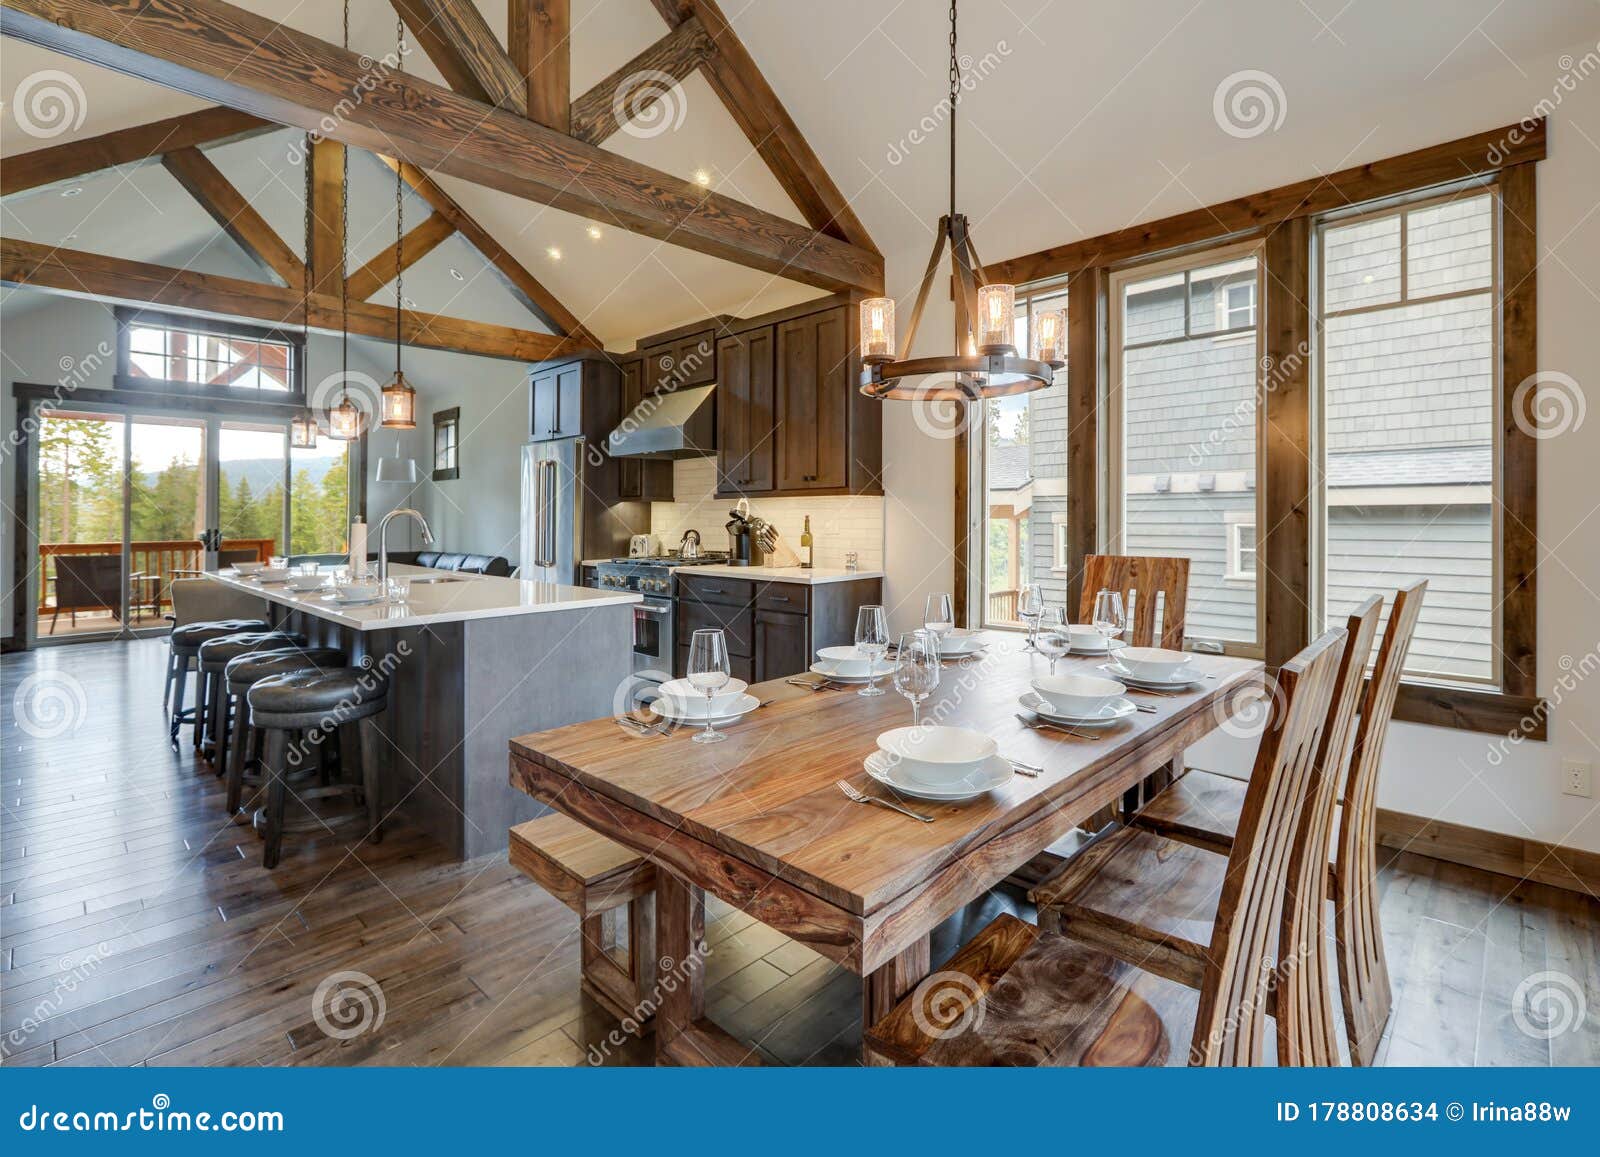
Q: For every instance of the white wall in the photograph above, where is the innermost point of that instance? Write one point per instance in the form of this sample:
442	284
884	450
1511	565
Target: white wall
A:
1458	776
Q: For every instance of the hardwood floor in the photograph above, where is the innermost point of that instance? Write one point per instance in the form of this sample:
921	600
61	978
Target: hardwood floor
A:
138	927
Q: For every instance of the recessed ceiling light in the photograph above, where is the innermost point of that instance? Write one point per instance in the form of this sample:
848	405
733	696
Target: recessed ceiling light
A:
702	176
553	253
69	237
456	273
72	191
594	233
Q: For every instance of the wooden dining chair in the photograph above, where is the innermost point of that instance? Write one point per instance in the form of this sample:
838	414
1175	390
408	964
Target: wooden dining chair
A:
1142	582
1022	995
1134	892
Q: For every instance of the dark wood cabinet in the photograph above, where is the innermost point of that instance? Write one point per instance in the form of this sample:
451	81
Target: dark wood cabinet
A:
773	629
746	394
556	405
689	360
813	395
782	644
640	479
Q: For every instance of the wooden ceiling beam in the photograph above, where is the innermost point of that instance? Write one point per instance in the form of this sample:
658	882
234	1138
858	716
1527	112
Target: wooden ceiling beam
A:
78	274
749	99
539	34
234	215
465	50
524	286
220	52
59	164
326	245
594	114
414	246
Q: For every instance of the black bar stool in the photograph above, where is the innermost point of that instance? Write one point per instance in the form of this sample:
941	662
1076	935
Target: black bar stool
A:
214	657
183	649
244	672
309	705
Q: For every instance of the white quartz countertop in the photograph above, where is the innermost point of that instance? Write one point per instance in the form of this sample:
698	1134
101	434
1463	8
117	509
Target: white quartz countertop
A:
776	574
462	597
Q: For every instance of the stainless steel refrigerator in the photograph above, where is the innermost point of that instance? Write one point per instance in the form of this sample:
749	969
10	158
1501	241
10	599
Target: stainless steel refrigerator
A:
552	510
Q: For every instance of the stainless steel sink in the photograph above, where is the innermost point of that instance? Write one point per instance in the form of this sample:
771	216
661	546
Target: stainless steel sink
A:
439	578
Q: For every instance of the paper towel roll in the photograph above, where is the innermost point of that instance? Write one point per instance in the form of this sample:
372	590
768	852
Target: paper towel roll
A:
358	548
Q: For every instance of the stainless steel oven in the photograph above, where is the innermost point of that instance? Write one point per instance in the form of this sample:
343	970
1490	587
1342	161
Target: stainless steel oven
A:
653	638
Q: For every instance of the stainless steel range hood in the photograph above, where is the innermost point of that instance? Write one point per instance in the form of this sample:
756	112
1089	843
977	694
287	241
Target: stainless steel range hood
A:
680	424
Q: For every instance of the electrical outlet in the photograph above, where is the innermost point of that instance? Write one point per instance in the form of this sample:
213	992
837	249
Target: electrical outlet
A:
1576	778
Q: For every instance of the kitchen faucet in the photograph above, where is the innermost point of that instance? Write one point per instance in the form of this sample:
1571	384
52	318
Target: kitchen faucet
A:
383	540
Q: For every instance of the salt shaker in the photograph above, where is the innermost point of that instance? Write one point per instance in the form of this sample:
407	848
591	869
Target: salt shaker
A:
851	560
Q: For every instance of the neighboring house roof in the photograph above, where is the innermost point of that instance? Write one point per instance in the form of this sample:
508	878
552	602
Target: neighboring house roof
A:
1436	466
1009	468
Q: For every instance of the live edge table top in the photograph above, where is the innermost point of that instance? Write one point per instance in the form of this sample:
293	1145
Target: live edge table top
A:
760	820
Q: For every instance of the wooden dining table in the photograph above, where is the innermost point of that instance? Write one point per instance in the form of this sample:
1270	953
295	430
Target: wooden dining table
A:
760	821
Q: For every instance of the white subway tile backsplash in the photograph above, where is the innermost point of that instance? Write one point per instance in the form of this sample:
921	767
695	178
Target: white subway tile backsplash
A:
837	524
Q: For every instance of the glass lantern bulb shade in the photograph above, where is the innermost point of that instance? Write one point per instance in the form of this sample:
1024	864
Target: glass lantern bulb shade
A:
997	312
1049	335
303	432
877	327
399	404
344	420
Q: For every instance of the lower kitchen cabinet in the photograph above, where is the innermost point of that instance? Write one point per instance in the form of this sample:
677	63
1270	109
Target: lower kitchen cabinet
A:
783	644
773	629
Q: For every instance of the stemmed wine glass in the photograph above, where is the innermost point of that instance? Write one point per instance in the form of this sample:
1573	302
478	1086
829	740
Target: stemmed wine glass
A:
1055	635
872	640
1109	617
1030	606
938	616
916	669
708	672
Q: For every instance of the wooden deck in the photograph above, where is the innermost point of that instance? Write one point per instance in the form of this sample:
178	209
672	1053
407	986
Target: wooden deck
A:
136	927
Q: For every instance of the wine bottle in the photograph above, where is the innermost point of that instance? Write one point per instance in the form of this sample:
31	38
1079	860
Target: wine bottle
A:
805	545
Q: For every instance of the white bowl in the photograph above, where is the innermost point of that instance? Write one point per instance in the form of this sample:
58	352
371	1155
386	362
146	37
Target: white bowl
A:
684	698
1151	662
848	661
357	592
1086	638
937	756
961	642
306	582
1080	696
248	567
272	574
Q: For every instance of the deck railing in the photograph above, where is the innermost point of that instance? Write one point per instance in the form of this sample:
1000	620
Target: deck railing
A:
1003	606
156	561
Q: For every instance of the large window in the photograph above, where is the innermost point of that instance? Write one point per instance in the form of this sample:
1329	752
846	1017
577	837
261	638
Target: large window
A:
1408	415
1025	482
193	355
1183	431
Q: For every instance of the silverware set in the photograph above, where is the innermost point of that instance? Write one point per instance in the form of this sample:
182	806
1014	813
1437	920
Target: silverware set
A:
856	795
637	726
1043	725
817	684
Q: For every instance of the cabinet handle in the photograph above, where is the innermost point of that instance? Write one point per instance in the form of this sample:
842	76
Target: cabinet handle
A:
780	598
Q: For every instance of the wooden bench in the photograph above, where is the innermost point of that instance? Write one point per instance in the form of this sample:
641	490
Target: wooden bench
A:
596	878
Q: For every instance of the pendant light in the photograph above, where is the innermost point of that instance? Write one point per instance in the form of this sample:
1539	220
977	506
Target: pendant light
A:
344	420
399	400
303	426
988	364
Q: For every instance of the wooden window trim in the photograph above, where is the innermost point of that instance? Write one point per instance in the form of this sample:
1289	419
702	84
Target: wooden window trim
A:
1283	218
124	378
444	418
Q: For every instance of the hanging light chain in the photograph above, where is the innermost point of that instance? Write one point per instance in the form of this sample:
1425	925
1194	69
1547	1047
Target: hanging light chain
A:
344	242
955	97
399	213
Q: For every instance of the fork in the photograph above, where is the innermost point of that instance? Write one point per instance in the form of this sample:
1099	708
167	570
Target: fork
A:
855	795
1028	769
1041	725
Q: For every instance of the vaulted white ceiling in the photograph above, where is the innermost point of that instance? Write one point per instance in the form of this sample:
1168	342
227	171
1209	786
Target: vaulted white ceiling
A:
1079	118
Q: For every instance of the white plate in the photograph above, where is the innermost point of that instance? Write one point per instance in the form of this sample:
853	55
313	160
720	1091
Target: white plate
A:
961	642
992	773
827	671
1116	672
745	705
1116	645
1120	710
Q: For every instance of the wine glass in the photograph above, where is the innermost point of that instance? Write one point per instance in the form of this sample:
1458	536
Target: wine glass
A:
1109	617
938	615
708	672
1055	635
1030	605
872	640
916	669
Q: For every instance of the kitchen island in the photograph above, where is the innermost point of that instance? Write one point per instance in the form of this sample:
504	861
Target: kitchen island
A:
471	659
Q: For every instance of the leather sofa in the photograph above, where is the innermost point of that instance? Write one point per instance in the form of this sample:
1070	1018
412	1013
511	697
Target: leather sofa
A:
488	564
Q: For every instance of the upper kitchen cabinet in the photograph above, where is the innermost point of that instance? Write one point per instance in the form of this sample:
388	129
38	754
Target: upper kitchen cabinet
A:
806	429
683	359
640	479
557	398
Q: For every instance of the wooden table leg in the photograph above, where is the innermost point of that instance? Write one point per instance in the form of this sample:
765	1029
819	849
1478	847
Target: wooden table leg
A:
882	988
683	1034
